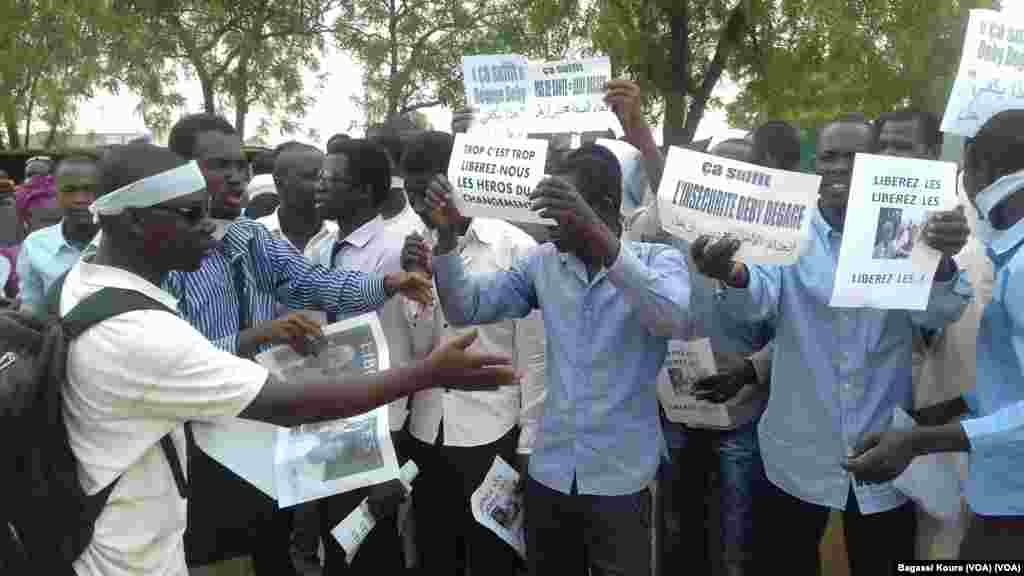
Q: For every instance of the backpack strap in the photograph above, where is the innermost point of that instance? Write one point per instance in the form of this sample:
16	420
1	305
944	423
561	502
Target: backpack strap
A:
95	308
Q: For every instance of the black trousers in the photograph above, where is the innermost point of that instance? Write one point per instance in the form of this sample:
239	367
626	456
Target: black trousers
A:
381	552
228	518
788	532
447	536
609	533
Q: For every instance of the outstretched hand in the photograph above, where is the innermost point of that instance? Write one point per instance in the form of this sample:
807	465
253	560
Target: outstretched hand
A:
452	366
415	286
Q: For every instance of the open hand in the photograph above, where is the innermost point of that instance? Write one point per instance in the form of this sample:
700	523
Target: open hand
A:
416	255
881	457
453	367
462	120
947	232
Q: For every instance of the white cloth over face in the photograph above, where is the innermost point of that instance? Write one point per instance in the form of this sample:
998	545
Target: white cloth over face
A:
259	185
156	189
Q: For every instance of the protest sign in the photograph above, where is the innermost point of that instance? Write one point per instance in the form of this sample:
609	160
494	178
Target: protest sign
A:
353	530
991	74
498	506
687	362
568	96
768	210
314	461
493	178
883	261
498	87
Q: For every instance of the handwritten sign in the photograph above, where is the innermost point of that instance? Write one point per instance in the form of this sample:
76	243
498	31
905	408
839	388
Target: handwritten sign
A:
493	177
769	210
568	96
883	261
991	74
498	86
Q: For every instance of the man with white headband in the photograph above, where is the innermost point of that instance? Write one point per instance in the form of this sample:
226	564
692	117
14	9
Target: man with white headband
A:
157	372
994	179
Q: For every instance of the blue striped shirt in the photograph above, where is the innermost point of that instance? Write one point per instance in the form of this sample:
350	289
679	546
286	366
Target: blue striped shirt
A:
239	284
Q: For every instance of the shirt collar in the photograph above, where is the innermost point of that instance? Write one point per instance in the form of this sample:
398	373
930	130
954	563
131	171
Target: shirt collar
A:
52	240
110	277
361	236
479	230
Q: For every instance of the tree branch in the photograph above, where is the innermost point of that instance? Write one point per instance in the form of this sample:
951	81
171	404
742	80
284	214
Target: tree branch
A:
420	105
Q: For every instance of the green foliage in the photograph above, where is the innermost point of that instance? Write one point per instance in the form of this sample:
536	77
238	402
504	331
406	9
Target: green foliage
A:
412	49
815	59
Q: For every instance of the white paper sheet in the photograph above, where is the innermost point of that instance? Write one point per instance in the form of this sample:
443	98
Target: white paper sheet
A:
353	530
493	177
932	481
568	96
246	447
768	210
991	74
314	461
883	261
499	507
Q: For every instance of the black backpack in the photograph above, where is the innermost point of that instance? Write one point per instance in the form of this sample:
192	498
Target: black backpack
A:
46	519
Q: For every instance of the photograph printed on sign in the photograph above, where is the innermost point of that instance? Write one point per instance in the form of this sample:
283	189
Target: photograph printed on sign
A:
898	232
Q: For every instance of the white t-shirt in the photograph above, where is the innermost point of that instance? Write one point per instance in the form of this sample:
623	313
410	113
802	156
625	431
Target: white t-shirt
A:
131	380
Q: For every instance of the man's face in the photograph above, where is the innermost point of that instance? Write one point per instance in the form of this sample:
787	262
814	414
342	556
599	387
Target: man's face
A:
178	233
906	139
76	190
572	243
837	145
416	188
340	198
298	185
226	171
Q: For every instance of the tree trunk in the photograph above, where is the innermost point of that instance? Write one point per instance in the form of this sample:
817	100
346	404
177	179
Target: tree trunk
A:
241	96
209	102
674	131
11	125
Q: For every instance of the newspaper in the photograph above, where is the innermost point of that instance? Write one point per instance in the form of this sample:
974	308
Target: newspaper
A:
883	260
314	461
931	481
353	530
686	363
498	506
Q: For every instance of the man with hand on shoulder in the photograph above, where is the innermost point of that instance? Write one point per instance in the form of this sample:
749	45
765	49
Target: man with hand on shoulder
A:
609	309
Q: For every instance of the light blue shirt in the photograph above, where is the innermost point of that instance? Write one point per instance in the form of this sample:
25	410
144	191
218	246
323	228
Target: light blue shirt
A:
837	374
995	485
45	256
606	341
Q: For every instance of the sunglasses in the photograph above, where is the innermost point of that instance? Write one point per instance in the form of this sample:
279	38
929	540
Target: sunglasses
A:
192	214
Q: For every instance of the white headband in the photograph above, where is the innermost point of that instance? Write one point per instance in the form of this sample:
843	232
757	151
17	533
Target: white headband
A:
156	189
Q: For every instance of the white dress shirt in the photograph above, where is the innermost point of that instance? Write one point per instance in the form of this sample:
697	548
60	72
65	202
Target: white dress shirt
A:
376	248
479	418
